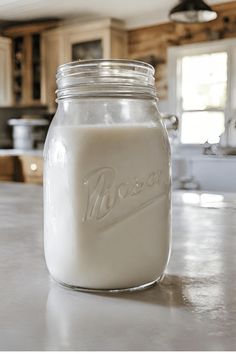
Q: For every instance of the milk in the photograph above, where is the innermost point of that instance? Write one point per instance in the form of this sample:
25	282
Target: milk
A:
107	205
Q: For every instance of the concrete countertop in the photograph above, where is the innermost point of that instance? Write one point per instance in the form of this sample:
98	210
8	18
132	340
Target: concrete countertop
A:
19	152
194	308
202	157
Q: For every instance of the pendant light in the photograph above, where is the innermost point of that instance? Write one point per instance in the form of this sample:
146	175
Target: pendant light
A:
192	11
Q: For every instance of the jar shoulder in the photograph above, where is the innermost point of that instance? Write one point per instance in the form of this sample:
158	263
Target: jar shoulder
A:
106	111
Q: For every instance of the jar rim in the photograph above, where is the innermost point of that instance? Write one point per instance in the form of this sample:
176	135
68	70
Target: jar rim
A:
135	65
105	77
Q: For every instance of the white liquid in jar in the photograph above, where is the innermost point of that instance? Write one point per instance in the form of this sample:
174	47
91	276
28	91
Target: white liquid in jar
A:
107	205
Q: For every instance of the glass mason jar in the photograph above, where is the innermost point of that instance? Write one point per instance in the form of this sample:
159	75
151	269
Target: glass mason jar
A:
107	178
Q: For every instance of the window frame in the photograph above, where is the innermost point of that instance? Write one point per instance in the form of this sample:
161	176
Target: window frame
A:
176	53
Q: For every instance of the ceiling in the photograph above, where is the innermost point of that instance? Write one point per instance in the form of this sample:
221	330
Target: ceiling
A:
135	13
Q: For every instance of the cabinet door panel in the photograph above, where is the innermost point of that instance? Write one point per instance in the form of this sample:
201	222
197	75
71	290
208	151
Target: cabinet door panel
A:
6	168
50	60
32	169
93	40
87	50
5	72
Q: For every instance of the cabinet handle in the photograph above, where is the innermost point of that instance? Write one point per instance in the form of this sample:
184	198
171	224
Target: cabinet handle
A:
33	167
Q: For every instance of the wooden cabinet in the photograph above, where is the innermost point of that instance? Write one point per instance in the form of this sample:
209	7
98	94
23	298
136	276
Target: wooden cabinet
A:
26	69
30	57
26	62
51	44
31	169
21	168
108	34
91	40
7	168
5	72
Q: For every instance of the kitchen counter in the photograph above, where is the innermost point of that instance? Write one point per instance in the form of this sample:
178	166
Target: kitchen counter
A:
194	308
18	152
203	157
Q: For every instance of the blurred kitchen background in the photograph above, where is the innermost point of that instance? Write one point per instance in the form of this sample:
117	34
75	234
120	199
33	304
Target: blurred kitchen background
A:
195	70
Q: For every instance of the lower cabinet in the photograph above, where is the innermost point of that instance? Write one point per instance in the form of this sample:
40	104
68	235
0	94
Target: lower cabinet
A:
7	168
22	168
30	169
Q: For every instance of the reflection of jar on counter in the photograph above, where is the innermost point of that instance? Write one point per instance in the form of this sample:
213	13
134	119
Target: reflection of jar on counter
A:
107	178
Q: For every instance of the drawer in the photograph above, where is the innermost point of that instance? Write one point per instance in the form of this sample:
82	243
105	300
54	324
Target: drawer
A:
7	168
32	169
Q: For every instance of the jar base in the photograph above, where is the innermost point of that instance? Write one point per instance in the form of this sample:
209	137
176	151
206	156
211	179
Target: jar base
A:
119	290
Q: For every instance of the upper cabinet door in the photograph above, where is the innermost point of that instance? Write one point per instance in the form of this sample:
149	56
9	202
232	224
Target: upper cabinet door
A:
5	72
103	39
25	57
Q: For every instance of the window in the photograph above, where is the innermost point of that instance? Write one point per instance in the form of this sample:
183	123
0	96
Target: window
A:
200	77
204	94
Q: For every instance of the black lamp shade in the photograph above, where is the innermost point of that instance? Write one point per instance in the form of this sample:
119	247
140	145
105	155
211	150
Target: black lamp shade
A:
192	11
